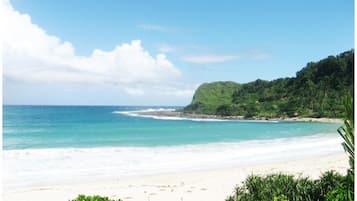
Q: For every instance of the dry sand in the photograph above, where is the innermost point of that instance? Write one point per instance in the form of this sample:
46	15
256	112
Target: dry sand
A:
208	185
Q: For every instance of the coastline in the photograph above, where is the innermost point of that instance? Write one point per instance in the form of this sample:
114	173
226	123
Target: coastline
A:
209	185
189	172
179	114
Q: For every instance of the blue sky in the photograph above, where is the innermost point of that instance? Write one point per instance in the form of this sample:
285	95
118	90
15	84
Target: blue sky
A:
202	41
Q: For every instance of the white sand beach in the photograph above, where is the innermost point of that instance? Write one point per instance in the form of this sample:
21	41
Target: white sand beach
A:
208	185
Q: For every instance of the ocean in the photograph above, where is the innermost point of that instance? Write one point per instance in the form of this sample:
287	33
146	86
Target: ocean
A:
47	145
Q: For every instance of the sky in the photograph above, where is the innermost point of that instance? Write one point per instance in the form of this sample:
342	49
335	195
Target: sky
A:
158	52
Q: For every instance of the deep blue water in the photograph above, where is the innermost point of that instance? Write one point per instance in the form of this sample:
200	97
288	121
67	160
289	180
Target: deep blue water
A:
32	127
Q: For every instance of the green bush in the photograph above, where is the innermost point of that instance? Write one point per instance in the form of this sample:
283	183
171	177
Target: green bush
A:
93	198
282	187
280	198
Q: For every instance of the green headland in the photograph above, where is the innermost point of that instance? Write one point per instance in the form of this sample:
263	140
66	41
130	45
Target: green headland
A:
317	90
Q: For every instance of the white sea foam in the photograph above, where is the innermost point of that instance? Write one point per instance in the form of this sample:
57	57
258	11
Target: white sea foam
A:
69	165
145	110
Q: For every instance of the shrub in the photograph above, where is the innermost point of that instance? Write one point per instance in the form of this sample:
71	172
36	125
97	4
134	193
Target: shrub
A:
282	187
280	198
93	198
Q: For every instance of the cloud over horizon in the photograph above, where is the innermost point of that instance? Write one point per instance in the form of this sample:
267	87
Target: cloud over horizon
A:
221	58
31	55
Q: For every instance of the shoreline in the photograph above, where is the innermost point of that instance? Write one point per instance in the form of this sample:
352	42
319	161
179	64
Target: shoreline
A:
185	115
301	157
77	165
209	185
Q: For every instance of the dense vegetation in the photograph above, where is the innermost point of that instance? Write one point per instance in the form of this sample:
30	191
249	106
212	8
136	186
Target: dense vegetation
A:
330	186
316	91
209	96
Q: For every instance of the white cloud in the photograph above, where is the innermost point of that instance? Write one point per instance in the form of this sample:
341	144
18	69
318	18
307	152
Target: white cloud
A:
257	55
31	55
153	27
165	48
166	90
220	58
209	58
134	91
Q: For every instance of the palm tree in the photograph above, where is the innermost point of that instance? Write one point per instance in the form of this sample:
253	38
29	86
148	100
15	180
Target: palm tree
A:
347	131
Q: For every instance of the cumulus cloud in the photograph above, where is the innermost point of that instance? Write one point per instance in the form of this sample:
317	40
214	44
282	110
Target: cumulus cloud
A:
30	54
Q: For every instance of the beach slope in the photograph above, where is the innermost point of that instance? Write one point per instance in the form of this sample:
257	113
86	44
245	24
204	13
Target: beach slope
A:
208	185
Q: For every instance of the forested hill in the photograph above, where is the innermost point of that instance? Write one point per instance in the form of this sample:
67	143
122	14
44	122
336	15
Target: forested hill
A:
317	90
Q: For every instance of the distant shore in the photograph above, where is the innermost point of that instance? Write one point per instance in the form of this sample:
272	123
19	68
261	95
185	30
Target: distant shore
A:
179	114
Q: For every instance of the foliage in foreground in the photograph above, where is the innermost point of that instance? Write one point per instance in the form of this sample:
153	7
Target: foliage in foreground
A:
280	187
347	132
93	198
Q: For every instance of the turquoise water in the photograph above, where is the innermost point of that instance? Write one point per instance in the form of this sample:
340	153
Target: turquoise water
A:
36	127
90	144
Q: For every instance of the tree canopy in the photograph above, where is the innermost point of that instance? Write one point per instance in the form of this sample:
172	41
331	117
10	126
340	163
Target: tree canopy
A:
317	90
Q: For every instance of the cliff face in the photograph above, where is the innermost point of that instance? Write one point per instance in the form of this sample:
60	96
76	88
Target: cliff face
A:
316	91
